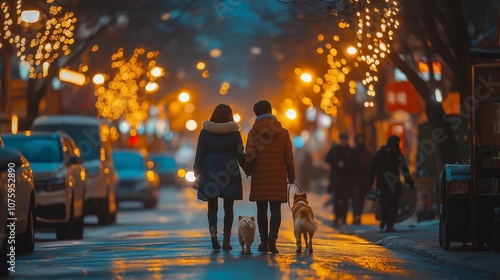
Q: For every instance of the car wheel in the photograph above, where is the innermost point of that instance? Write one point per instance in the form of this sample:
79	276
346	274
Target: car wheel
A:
105	217
65	231
27	239
77	228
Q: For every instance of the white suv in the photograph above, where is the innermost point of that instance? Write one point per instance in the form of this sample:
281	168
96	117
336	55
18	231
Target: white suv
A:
101	181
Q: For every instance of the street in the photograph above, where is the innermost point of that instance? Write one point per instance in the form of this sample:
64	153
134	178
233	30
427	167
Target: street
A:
172	242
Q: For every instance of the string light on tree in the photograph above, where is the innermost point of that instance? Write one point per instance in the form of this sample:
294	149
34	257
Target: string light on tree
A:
371	43
38	38
124	95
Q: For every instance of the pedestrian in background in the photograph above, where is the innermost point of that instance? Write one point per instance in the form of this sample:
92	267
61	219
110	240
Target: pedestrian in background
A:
387	166
365	158
218	153
343	167
269	160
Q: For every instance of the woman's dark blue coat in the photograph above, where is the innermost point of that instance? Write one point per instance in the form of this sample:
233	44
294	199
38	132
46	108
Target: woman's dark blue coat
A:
219	156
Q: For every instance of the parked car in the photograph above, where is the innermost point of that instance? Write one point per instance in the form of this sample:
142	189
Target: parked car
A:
166	167
137	181
59	179
15	170
87	132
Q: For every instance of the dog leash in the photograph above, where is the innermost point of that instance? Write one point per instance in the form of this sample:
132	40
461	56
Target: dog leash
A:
288	193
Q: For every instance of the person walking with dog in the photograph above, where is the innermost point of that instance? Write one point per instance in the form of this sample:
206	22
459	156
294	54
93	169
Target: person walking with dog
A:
343	166
386	167
365	157
269	160
219	151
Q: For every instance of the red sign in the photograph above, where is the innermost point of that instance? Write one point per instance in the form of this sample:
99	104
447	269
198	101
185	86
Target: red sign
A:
459	187
402	96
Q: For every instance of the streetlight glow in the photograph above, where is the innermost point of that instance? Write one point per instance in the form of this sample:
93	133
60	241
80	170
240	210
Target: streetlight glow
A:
201	65
306	77
157	72
98	79
191	125
352	50
291	114
237	117
73	77
152	87
30	16
184	97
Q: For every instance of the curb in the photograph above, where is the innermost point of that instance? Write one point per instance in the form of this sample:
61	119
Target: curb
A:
408	246
412	247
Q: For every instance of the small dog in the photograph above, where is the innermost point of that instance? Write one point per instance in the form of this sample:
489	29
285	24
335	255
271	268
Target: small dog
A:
303	221
246	232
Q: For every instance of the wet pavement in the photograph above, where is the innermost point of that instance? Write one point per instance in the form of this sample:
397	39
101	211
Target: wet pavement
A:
172	242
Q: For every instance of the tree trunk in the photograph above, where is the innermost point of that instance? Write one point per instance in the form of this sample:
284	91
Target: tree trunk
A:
35	93
442	137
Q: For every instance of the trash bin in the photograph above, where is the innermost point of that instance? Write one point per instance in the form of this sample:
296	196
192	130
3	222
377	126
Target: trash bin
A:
455	206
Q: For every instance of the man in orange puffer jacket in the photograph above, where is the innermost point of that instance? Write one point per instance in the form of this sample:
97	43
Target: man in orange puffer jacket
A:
269	160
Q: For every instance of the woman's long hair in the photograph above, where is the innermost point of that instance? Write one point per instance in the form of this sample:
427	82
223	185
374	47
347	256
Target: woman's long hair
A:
222	114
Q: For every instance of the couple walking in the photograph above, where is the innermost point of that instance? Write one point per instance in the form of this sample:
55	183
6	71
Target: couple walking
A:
268	159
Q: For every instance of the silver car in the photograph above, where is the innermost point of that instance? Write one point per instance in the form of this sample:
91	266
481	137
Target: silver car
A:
136	179
59	177
96	150
17	201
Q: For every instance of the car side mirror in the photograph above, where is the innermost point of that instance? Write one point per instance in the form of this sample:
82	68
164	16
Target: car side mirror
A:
75	160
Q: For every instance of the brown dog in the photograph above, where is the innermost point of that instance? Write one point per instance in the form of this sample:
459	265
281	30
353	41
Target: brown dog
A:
303	221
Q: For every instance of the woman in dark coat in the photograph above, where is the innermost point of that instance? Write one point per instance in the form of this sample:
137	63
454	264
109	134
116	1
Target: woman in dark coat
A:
219	151
387	166
343	163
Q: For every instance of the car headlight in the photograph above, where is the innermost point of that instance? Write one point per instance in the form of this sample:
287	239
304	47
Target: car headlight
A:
55	185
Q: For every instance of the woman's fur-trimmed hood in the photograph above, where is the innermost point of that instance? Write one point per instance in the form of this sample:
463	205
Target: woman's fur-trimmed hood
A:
221	128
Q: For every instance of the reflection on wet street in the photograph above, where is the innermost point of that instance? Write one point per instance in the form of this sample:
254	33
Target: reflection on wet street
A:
168	243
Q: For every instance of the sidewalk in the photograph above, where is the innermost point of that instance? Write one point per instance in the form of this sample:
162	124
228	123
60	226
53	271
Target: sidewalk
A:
412	237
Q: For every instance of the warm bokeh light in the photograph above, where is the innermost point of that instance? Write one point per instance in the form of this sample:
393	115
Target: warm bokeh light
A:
184	97
98	79
181	172
191	125
215	53
306	77
190	177
14	124
124	93
371	40
189	108
30	16
201	65
157	71
225	85
38	46
152	87
237	117
73	77
291	114
352	50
